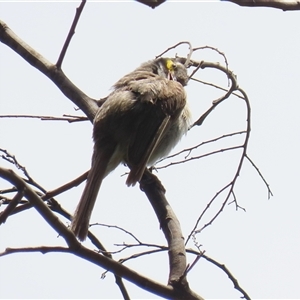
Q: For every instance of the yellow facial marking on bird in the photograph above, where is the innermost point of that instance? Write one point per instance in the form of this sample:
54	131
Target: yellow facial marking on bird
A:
170	65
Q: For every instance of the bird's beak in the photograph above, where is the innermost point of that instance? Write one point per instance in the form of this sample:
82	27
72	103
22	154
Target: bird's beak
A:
171	76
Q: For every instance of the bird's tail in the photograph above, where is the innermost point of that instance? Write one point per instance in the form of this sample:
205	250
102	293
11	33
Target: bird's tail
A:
82	215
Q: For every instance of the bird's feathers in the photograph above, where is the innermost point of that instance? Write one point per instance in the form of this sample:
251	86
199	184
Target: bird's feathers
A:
140	122
82	215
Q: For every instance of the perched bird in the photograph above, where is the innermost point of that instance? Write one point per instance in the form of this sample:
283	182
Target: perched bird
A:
143	118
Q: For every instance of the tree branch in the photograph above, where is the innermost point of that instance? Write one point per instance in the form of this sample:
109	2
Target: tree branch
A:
280	4
11	206
68	118
172	231
86	104
216	102
79	250
70	35
230	186
40	206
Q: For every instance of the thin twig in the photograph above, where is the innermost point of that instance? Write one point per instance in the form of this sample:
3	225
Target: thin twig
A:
56	75
199	156
214	49
190	149
75	182
68	118
70	35
216	86
216	102
270	194
119	228
229	274
175	46
230	185
193	231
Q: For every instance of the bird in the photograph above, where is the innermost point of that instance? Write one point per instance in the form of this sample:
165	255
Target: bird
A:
141	121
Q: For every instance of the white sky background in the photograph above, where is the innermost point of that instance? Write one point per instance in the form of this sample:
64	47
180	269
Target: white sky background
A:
260	247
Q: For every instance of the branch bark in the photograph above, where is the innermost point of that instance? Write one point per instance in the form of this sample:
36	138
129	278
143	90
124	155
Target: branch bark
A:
169	223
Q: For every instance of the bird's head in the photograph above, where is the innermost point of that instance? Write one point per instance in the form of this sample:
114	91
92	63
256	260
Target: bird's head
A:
172	69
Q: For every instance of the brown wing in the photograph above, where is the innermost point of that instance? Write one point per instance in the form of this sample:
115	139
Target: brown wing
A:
139	153
160	102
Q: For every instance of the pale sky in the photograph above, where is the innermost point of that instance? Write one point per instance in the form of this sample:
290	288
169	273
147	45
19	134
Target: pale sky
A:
260	246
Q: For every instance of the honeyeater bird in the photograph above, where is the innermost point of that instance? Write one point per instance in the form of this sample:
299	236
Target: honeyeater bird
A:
140	122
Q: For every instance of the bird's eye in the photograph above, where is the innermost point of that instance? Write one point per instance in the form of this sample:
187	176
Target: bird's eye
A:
174	66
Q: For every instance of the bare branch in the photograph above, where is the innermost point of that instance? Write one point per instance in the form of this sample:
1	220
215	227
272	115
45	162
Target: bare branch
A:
200	254
68	118
280	4
54	205
216	102
11	206
111	265
199	156
119	228
126	246
42	249
214	49
190	267
189	150
86	104
229	186
75	182
79	250
40	206
229	274
13	160
261	176
215	86
194	231
170	226
285	5
70	35
237	286
185	61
